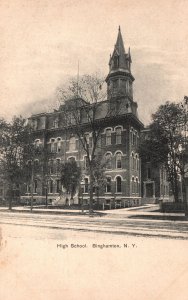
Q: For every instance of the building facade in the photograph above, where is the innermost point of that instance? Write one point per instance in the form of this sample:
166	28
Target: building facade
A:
119	141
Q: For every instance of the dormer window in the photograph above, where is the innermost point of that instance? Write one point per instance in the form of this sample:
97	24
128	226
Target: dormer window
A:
35	124
56	122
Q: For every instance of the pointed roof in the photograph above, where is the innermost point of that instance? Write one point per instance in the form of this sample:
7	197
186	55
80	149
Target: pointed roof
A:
119	46
119	50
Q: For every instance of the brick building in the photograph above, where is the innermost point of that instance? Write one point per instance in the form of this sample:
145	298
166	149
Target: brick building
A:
118	141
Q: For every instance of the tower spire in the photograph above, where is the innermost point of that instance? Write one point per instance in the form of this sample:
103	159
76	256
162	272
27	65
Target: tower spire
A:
120	78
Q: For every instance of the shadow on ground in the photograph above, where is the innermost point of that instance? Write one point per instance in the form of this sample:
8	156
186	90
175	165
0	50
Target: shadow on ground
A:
162	217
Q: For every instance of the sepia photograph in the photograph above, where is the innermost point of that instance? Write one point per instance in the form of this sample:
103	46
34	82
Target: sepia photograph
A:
93	150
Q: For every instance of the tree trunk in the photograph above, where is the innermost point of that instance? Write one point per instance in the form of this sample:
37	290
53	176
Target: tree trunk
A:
10	202
32	177
91	191
184	196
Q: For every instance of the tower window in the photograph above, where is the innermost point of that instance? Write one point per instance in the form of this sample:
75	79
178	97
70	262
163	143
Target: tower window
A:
116	61
115	84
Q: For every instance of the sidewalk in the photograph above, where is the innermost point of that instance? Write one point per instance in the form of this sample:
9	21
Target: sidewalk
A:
145	212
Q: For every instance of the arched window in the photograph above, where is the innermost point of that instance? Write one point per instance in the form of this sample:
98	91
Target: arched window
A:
58	144
118	184
108	185
108	159
35	185
133	185
132	160
137	186
72	144
51	166
108	137
53	146
58	186
116	61
56	122
137	162
118	135
37	143
58	165
36	166
71	159
118	160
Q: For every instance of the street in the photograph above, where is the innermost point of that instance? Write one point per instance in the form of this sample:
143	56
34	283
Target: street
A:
62	257
119	222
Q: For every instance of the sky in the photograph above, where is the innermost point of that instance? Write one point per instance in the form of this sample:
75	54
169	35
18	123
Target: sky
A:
43	40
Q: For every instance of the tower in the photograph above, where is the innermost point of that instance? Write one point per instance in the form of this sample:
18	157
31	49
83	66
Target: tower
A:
120	80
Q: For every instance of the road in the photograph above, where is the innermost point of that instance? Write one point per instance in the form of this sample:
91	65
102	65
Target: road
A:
39	262
122	225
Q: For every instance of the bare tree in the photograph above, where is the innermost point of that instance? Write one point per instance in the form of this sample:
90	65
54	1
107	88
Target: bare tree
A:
13	136
86	109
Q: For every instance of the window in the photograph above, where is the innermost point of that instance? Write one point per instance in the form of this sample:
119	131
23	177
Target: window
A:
108	159
133	185
58	185
72	144
127	86
118	135
56	122
85	162
58	144
137	186
148	173
51	186
36	166
28	188
86	185
137	162
88	140
35	124
35	186
108	185
116	61
58	165
118	184
53	146
37	143
71	118
108	136
118	160
132	160
71	159
51	166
